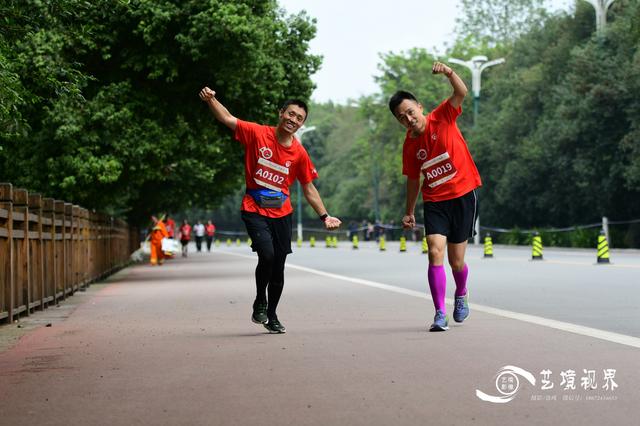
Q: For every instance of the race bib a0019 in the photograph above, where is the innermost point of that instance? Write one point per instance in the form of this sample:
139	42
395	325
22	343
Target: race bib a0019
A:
438	170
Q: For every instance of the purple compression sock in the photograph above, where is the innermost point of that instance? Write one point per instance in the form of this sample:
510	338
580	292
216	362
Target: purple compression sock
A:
461	280
438	286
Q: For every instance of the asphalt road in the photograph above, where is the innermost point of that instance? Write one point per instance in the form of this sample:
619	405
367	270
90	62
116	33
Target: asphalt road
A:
568	285
173	345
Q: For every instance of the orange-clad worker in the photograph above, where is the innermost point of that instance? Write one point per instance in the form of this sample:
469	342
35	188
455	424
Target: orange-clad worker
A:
158	232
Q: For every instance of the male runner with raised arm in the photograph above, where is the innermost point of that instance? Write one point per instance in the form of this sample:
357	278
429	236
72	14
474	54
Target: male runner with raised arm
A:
274	159
435	149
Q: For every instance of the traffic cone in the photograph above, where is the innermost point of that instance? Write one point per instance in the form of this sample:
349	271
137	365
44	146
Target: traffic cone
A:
312	242
249	242
228	241
238	242
536	252
403	244
334	242
603	248
383	245
217	242
299	242
354	240
425	246
328	242
488	246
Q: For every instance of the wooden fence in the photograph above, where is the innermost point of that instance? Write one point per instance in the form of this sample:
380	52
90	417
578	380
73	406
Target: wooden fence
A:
49	249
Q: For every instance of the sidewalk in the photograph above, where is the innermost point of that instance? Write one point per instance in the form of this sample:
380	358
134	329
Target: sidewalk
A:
174	345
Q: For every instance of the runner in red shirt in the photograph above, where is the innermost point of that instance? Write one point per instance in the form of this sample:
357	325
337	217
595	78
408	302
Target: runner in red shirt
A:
435	149
210	230
185	237
274	159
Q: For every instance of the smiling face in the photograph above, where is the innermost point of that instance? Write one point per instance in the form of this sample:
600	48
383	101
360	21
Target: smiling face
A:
291	118
409	114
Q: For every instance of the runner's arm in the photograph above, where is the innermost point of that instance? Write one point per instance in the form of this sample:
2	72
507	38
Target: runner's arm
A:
413	188
219	111
313	197
459	88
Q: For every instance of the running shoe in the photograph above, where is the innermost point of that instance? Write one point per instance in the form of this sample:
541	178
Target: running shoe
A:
440	322
274	326
460	308
259	315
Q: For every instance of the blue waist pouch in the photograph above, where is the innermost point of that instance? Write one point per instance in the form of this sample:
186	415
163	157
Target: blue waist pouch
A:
267	198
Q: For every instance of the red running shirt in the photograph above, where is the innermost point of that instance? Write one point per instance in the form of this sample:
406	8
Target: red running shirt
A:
185	232
267	164
441	156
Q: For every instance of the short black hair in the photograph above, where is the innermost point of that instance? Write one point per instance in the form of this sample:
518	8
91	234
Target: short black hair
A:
296	102
397	99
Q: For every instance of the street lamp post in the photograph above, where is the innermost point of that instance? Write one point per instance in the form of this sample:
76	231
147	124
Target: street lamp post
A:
477	64
375	172
301	131
601	7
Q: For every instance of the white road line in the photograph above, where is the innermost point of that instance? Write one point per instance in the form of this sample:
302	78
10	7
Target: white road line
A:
532	319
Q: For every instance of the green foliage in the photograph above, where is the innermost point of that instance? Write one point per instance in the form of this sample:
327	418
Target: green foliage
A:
556	142
489	23
102	100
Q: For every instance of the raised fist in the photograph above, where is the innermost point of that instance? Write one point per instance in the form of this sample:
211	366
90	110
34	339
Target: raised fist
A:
207	94
440	68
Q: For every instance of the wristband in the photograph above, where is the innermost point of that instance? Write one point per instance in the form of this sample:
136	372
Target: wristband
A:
324	217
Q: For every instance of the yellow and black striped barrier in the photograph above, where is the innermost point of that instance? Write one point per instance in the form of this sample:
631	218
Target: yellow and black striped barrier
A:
403	244
354	242
488	246
383	244
603	248
536	247
312	242
425	246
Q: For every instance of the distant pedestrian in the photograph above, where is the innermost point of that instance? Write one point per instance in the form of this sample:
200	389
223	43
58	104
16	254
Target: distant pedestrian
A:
435	149
158	233
199	232
210	230
185	237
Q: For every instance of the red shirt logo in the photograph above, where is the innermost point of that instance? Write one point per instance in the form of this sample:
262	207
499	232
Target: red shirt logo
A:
266	153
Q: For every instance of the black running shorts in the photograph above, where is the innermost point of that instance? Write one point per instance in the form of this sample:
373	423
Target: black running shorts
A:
267	230
453	218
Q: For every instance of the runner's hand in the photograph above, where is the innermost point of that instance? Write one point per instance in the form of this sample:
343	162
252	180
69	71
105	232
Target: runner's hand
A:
440	68
207	94
408	221
332	223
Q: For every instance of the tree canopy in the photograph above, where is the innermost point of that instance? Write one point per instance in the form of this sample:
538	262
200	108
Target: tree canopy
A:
99	99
